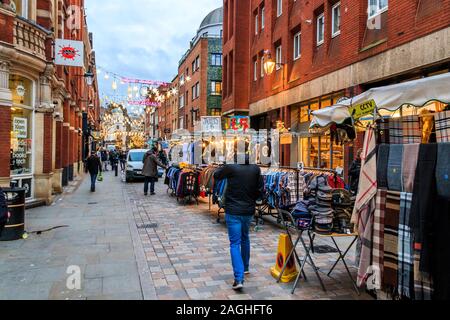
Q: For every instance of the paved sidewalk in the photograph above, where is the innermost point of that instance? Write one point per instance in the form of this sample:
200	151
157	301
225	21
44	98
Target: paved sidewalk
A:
99	240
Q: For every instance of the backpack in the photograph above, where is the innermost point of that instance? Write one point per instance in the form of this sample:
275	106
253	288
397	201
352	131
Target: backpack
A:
3	210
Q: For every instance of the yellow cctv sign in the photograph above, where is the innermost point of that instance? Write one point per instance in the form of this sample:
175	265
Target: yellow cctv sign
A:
363	109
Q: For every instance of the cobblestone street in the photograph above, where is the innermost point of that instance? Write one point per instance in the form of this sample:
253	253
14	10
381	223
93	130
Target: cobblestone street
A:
133	247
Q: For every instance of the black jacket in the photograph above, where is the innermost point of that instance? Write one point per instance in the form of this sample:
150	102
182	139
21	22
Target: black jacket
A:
245	186
93	165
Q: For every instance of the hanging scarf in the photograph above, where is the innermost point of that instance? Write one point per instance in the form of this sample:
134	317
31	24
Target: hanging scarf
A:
410	157
443	170
368	177
394	173
405	247
378	234
382	166
442	120
411	130
383	131
391	229
396	131
365	229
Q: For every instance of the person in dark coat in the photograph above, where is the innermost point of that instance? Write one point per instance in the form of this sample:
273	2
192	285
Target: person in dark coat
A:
94	167
244	188
150	170
4	213
354	172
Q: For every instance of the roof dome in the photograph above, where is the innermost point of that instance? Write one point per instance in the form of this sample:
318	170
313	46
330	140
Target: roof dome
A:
214	17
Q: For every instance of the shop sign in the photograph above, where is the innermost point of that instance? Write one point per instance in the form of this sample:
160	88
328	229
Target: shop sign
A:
211	124
360	110
286	138
69	53
20	127
239	123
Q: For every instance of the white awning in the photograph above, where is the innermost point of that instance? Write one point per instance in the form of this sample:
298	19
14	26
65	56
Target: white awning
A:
416	93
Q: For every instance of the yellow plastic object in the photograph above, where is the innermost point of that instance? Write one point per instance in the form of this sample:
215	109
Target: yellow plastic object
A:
291	272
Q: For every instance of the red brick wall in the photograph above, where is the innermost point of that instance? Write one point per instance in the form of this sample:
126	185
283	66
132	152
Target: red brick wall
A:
6	28
5	141
404	21
48	143
59	145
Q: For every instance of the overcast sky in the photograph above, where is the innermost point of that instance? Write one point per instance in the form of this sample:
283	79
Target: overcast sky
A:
144	38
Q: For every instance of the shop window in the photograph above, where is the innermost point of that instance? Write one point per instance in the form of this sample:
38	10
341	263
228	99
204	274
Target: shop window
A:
304	114
314	147
22	90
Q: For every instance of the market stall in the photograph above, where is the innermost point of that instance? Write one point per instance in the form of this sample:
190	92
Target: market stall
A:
401	210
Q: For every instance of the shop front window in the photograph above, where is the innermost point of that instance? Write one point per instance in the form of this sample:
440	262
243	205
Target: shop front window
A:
21	126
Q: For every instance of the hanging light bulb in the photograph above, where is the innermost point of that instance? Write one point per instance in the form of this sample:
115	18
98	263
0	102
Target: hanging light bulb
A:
106	76
135	89
114	85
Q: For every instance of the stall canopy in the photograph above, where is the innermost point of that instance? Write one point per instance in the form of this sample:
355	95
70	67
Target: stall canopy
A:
416	93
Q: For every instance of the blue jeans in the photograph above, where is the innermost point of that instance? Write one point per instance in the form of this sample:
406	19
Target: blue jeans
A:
151	181
93	181
239	235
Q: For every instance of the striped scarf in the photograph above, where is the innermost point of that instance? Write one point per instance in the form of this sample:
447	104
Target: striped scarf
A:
411	130
394	174
410	157
378	233
442	120
396	131
391	231
405	247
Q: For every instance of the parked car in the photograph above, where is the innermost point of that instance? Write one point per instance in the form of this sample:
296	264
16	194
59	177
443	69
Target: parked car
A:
134	165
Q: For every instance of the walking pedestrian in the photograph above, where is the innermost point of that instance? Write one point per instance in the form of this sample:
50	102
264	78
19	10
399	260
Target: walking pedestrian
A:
123	160
104	159
94	167
150	170
245	185
4	213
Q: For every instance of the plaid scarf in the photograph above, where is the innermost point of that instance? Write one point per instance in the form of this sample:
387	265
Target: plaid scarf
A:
395	165
405	247
365	229
378	233
392	219
396	131
383	131
442	120
411	130
410	158
382	166
423	283
443	170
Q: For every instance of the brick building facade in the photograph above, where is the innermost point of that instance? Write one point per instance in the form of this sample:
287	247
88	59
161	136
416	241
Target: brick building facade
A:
47	112
325	50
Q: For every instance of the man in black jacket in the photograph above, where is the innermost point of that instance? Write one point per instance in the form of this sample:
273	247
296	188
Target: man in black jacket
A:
245	185
94	167
4	213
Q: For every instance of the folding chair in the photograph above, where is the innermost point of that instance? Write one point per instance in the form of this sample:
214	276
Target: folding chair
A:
289	223
342	254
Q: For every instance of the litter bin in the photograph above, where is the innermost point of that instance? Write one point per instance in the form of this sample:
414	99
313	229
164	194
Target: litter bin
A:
15	228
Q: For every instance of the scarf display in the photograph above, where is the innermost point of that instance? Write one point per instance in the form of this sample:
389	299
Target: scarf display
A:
394	172
391	241
396	131
410	157
405	247
422	208
378	234
411	130
382	166
368	176
383	131
442	121
443	170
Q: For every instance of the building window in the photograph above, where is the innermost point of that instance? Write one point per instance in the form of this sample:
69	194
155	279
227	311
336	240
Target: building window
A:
256	24
297	46
320	29
215	112
376	7
216	88
197	63
279	7
196	91
181	101
278	56
336	19
263	18
20	7
255	69
216	59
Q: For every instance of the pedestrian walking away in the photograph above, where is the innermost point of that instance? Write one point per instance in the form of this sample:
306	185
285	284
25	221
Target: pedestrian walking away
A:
150	170
94	167
245	185
104	159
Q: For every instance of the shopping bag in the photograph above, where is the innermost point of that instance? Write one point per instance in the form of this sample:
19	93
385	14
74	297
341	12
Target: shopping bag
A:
100	177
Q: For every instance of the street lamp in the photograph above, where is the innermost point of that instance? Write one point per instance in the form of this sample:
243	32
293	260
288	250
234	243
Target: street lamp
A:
270	64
